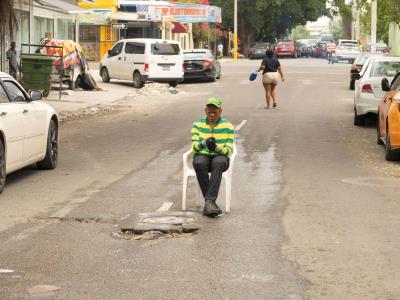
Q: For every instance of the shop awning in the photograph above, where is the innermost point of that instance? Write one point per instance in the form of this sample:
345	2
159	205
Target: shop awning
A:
62	6
179	28
123	16
94	19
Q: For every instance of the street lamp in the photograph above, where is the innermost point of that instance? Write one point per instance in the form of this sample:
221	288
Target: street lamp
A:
235	32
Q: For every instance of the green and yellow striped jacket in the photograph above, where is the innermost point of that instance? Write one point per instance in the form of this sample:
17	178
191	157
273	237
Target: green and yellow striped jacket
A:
223	132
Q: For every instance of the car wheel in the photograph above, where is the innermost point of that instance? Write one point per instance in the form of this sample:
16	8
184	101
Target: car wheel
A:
352	84
2	167
50	160
137	80
358	120
219	75
378	131
390	155
105	76
213	78
173	84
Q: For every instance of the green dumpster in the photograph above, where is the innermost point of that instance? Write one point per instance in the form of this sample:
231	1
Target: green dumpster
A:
36	70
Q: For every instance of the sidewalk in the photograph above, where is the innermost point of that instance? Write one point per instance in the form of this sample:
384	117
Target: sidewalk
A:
80	100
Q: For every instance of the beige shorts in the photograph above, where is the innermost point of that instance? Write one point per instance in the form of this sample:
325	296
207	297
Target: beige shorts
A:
271	78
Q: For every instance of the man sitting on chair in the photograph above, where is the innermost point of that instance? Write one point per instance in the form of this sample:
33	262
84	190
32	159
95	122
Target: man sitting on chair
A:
212	142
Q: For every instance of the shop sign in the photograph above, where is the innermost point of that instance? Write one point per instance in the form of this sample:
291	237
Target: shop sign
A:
181	13
119	26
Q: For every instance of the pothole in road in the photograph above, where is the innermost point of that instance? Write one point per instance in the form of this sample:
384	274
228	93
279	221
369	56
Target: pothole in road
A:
150	226
373	181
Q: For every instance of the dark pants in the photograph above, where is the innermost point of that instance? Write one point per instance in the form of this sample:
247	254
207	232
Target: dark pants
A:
216	165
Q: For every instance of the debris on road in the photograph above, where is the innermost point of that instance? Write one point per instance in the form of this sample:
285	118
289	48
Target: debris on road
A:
156	89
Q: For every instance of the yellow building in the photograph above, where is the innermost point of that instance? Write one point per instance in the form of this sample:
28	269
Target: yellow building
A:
95	33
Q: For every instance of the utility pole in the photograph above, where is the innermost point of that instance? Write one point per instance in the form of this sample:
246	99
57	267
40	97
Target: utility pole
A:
358	26
235	33
374	13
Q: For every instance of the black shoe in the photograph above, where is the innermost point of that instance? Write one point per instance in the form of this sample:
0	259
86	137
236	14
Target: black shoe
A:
211	209
220	210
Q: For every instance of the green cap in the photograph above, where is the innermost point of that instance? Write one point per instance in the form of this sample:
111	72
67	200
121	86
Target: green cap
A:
214	101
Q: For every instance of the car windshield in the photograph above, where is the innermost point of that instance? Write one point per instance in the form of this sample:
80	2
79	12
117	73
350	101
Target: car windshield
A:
261	45
349	44
361	59
194	55
385	68
285	44
165	49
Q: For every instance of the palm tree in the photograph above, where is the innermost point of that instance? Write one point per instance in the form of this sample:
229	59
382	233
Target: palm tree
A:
8	21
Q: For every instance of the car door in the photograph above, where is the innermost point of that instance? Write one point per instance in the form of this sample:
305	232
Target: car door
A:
33	121
134	59
11	124
115	61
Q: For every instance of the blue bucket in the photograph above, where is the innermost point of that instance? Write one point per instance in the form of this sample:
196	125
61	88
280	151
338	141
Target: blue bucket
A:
253	75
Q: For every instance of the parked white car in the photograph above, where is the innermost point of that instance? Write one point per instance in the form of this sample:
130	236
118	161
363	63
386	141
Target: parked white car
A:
28	129
142	60
368	91
347	50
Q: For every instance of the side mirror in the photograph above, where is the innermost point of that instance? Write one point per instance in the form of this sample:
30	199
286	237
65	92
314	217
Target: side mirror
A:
110	53
357	76
35	95
385	85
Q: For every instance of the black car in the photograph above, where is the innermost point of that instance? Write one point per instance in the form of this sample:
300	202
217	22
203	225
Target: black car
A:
201	64
357	66
258	50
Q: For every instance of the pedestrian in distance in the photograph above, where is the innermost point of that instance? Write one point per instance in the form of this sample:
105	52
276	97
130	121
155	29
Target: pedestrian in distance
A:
272	71
212	144
331	49
12	57
220	50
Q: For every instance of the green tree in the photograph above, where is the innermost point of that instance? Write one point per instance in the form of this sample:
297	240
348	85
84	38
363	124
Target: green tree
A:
388	11
300	32
269	19
8	20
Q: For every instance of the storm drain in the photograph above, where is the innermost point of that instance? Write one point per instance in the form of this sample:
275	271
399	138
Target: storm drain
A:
149	226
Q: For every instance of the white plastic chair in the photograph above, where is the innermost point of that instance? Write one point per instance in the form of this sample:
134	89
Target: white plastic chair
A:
188	171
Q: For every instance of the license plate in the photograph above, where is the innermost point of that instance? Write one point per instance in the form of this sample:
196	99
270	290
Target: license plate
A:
165	68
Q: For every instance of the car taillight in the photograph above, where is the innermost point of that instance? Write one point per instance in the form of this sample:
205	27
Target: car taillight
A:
207	63
366	88
146	67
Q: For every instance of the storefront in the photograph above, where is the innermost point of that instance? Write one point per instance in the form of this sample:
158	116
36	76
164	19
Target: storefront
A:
38	19
96	34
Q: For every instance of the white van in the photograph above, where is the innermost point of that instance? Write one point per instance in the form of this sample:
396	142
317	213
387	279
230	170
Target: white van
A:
143	60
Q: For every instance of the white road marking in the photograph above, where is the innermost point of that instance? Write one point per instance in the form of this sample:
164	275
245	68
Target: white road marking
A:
165	207
240	126
6	271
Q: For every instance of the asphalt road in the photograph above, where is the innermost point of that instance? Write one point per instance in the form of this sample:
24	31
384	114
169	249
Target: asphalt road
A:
314	210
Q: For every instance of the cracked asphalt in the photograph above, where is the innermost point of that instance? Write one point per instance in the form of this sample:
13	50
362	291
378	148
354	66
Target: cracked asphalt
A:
314	209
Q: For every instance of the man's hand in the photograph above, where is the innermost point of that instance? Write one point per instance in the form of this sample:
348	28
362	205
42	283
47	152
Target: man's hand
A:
211	145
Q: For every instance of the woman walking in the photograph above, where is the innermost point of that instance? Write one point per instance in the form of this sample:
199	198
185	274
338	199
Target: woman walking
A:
271	72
